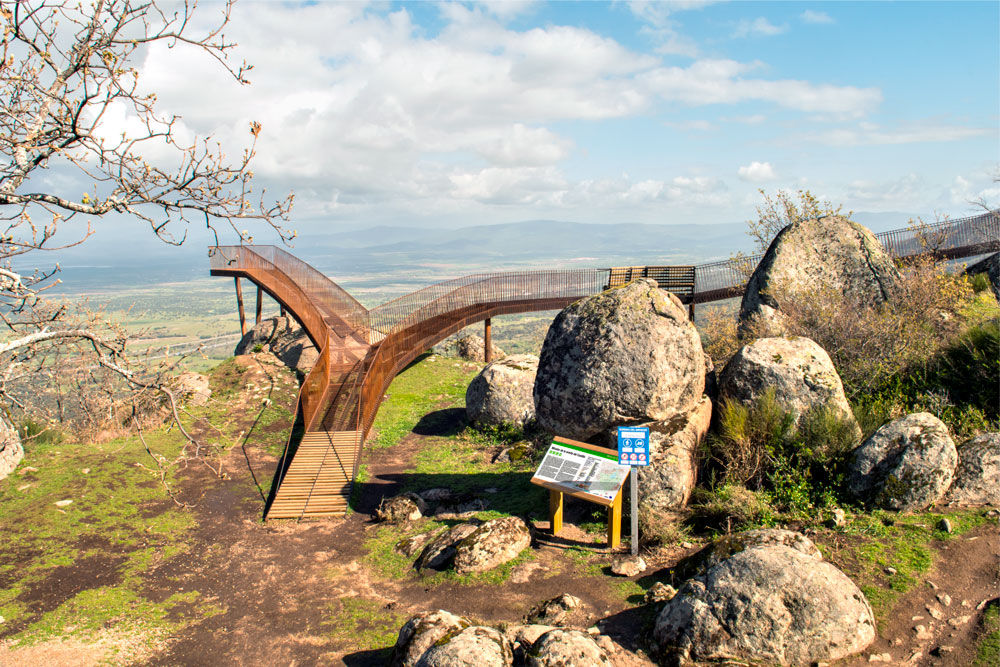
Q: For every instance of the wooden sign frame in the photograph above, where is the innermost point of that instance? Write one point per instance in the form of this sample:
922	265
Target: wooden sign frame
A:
558	491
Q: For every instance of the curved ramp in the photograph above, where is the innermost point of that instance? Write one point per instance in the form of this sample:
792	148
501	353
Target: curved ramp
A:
362	350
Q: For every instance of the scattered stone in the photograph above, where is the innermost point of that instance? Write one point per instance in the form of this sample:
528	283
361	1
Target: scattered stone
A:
944	599
473	348
567	648
522	573
982	605
477	645
941	650
26	469
554	611
898	641
880	657
526	635
624	356
931	585
63	503
285	339
398	509
944	525
85	471
935	613
435	495
958	621
494	543
686	545
25	487
421	633
977	477
502	393
831	253
916	655
798	370
922	632
408	546
440	551
774	599
916	618
628	566
891	571
907	465
660	592
491	490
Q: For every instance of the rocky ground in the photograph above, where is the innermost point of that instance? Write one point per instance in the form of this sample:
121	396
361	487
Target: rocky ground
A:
124	575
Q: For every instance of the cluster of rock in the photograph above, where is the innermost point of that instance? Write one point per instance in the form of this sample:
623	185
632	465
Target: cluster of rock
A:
285	339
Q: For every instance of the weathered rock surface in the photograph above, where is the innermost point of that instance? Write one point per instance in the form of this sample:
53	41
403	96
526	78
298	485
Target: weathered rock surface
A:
440	551
477	646
977	477
404	507
774	600
502	391
494	543
285	339
421	632
11	451
907	465
473	348
991	267
567	648
554	611
628	566
193	387
826	253
669	479
798	370
624	356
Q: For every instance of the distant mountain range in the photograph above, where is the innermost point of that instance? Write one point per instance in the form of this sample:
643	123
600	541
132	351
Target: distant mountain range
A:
410	253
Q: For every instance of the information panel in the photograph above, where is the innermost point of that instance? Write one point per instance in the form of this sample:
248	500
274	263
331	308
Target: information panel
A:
633	445
581	470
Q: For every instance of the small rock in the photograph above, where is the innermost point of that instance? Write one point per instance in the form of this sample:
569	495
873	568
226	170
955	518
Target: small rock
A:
935	613
982	605
86	471
898	641
944	599
966	603
526	635
916	655
401	508
945	525
916	618
958	621
660	592
492	489
922	632
63	503
880	657
409	546
628	566
940	650
931	585
25	487
593	631
26	469
522	573
435	495
891	571
686	545
554	611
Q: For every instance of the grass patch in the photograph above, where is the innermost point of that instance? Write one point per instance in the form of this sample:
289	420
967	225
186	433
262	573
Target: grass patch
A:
988	651
366	625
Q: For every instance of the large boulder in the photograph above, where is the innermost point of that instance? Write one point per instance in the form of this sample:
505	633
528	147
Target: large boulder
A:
11	451
829	253
797	369
440	552
773	600
502	392
477	646
422	632
977	477
991	267
473	348
626	355
285	339
566	648
907	465
669	479
494	543
399	509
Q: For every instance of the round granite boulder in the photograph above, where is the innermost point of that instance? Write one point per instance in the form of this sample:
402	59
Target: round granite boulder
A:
977	477
624	356
830	253
502	392
494	543
767	602
422	632
907	465
566	648
476	646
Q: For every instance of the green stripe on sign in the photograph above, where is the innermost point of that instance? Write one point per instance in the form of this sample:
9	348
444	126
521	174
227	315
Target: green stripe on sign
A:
591	452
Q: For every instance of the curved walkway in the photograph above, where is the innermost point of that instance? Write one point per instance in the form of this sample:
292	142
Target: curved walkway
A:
362	350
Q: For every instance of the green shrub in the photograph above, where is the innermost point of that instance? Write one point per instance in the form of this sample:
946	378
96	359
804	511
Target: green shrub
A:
745	438
729	508
38	433
979	282
969	368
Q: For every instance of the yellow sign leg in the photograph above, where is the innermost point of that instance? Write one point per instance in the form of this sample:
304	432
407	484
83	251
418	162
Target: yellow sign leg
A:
555	511
615	522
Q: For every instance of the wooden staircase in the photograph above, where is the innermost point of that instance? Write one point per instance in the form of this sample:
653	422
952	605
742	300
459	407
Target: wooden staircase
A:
317	483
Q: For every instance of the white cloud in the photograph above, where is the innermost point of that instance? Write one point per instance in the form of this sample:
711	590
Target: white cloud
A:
757	172
759	26
812	16
872	134
908	192
980	186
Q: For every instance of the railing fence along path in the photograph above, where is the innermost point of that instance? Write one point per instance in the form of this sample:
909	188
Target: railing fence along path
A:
362	350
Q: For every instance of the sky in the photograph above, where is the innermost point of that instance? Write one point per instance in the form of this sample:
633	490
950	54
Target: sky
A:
457	114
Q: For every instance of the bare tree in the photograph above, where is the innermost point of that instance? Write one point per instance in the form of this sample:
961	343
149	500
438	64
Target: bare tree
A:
779	211
65	67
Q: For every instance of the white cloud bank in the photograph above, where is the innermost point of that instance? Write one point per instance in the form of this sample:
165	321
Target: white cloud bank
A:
757	172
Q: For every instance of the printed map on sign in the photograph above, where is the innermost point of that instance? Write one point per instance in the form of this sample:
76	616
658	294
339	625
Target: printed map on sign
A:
580	469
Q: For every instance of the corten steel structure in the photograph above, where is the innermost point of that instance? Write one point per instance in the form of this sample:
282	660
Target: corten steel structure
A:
362	350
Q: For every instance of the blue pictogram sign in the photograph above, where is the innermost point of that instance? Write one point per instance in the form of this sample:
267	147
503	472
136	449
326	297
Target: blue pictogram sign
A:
633	446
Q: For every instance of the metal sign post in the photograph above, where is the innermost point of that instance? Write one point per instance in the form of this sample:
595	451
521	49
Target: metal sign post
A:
633	450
